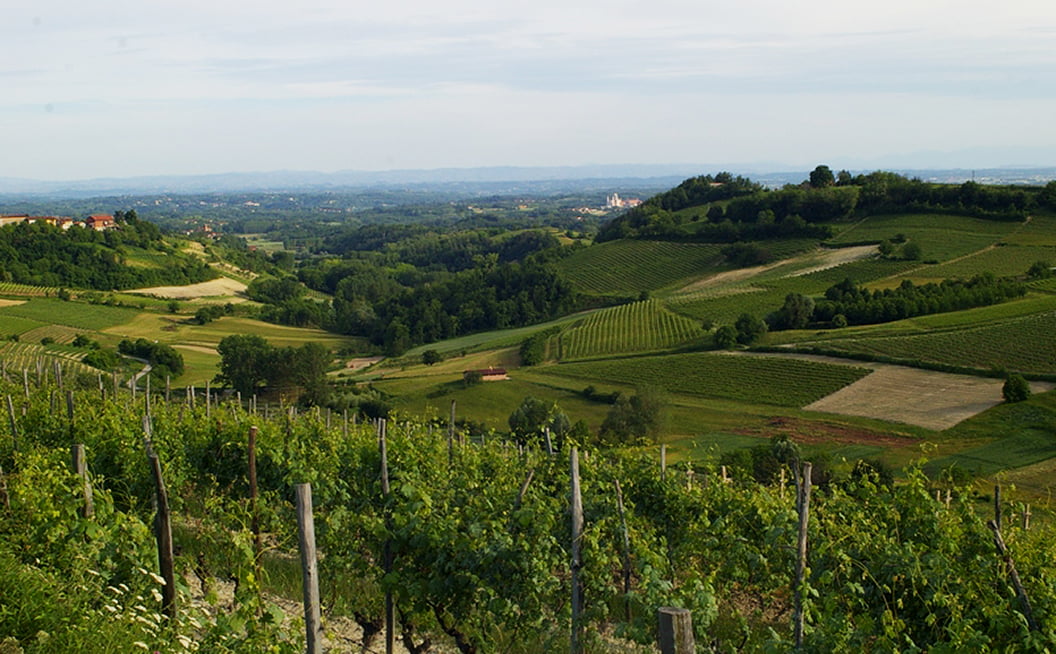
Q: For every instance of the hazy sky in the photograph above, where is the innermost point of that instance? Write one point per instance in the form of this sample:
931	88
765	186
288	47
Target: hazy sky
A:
123	88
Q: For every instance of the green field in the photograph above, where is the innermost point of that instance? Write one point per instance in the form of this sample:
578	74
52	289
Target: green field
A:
766	380
636	327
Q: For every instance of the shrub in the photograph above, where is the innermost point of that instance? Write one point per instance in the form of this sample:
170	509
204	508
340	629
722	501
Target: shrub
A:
1016	388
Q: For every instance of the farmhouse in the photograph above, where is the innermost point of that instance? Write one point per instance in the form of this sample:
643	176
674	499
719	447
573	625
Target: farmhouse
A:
486	374
99	222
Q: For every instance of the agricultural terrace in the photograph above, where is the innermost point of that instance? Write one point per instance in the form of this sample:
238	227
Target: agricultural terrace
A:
628	267
636	327
1024	344
767	380
220	287
941	237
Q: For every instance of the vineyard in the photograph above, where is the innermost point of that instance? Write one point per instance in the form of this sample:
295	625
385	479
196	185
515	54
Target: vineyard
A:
637	327
72	314
471	540
941	237
627	267
768	380
26	290
1023	344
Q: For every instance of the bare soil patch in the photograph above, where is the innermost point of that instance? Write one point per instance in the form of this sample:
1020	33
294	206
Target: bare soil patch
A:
362	362
11	303
926	398
814	432
213	288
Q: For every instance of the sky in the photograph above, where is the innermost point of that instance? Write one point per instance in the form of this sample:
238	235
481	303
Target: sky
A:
115	88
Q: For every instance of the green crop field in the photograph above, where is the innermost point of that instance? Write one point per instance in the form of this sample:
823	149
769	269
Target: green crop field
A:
941	237
627	267
636	327
71	314
1025	344
767	380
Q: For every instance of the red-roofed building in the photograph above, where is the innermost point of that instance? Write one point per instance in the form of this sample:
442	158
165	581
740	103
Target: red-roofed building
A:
99	222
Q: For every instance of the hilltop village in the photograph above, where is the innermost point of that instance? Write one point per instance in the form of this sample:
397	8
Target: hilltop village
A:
98	222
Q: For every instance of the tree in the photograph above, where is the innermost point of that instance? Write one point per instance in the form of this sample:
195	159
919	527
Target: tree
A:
821	177
911	251
726	337
245	362
431	357
1040	270
633	420
529	420
749	328
1016	388
796	312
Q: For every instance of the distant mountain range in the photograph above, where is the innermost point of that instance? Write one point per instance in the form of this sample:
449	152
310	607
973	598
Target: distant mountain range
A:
492	177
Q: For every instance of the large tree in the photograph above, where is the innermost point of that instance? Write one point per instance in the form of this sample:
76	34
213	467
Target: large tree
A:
821	177
245	362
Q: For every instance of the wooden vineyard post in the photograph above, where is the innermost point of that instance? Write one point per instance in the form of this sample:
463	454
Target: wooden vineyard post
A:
451	436
344	424
626	553
168	388
549	442
70	410
58	374
254	515
163	534
803	506
25	382
208	400
576	645
997	505
310	570
113	379
4	499
1010	568
663	462
80	468
390	607
1026	518
11	418
676	631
